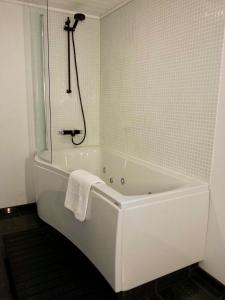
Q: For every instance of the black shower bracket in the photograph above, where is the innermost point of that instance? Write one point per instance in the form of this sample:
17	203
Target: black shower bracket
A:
68	29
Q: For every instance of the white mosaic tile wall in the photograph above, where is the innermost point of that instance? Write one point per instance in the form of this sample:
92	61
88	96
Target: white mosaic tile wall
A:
160	64
66	113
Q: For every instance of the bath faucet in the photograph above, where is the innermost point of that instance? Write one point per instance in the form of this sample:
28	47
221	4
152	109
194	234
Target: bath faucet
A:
71	132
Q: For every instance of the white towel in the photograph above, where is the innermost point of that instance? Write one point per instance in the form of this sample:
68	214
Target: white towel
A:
78	190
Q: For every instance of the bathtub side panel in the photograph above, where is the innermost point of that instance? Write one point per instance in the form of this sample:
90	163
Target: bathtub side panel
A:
163	237
96	237
49	185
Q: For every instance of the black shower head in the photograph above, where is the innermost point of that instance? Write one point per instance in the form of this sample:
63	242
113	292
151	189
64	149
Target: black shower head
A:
77	18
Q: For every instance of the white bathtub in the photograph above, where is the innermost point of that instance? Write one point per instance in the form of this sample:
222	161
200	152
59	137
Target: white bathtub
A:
145	223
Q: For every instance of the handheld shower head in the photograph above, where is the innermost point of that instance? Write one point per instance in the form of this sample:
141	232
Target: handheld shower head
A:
77	18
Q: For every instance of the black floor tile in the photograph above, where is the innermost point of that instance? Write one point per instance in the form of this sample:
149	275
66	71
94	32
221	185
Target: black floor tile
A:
6	225
5	291
126	296
19	223
172	279
186	290
208	283
155	297
187	284
28	209
26	222
15	221
51	268
10	212
143	292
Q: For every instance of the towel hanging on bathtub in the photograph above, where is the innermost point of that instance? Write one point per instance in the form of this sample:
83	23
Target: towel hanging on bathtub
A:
78	190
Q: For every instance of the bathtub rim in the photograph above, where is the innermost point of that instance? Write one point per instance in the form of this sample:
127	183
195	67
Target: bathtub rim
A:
165	171
124	201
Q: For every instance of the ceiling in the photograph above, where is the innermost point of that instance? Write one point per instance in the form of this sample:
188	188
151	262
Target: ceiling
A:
97	8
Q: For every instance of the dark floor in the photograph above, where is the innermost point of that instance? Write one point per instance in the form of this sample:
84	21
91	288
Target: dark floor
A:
26	242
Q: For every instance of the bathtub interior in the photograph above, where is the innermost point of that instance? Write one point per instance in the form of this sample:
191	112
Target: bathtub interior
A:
130	176
86	158
127	175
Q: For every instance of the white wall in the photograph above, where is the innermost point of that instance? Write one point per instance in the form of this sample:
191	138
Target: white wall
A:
15	179
160	63
215	247
16	115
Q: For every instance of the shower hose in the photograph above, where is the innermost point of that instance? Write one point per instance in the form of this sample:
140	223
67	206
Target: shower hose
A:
79	94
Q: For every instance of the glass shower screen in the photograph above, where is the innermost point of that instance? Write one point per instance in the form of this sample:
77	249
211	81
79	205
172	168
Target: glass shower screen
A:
41	80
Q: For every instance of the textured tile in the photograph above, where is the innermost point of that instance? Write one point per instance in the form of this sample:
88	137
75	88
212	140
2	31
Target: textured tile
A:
160	66
65	108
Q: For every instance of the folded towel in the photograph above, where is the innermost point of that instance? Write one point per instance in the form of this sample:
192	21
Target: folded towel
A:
78	190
